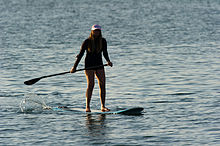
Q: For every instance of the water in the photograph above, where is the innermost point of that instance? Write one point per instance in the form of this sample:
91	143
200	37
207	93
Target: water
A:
166	59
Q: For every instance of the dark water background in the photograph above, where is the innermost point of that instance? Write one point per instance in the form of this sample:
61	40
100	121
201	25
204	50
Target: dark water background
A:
166	57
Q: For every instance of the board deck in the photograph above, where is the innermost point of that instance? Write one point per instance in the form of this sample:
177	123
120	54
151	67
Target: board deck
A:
128	111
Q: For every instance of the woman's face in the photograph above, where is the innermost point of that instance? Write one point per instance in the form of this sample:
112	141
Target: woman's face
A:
96	32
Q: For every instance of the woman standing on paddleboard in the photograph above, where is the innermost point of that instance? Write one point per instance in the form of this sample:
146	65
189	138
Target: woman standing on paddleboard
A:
94	46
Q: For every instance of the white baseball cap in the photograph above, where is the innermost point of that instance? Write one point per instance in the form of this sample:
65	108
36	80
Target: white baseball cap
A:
95	27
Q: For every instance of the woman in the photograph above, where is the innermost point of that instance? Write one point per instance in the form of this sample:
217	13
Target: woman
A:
94	46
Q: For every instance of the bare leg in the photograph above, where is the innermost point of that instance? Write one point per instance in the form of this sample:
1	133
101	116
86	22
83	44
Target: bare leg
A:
90	86
100	74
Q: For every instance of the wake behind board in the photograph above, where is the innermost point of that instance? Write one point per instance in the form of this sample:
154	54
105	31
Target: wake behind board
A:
128	111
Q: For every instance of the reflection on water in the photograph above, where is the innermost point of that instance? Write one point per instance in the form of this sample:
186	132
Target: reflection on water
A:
96	125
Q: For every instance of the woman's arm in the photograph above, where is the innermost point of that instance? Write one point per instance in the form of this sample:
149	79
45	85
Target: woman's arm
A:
79	56
105	52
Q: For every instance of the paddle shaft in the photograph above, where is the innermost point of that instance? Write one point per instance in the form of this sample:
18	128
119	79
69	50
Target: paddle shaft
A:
62	73
33	81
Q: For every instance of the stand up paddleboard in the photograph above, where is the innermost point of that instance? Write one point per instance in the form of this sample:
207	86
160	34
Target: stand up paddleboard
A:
128	111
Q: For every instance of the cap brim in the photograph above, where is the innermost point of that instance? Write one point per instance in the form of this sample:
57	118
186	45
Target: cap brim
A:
96	29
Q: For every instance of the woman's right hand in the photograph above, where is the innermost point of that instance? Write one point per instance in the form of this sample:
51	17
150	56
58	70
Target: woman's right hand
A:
72	70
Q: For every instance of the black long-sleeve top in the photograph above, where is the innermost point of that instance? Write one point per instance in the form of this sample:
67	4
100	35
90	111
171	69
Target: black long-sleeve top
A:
92	58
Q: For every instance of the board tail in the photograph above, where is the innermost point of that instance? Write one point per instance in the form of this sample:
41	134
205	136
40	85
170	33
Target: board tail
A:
131	111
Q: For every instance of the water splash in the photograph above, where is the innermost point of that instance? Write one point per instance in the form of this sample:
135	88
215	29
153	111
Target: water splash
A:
33	103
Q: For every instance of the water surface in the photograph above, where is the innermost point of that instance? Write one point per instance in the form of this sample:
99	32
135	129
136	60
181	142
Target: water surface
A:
166	59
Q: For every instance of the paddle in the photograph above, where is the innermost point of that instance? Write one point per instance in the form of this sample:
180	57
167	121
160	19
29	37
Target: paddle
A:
33	81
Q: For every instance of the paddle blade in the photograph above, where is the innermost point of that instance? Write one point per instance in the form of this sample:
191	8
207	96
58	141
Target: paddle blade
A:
32	81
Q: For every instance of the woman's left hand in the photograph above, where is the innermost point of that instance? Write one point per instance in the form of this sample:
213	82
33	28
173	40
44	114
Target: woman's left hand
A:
110	63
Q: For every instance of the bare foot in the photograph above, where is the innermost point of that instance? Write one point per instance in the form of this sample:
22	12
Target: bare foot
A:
105	109
88	110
